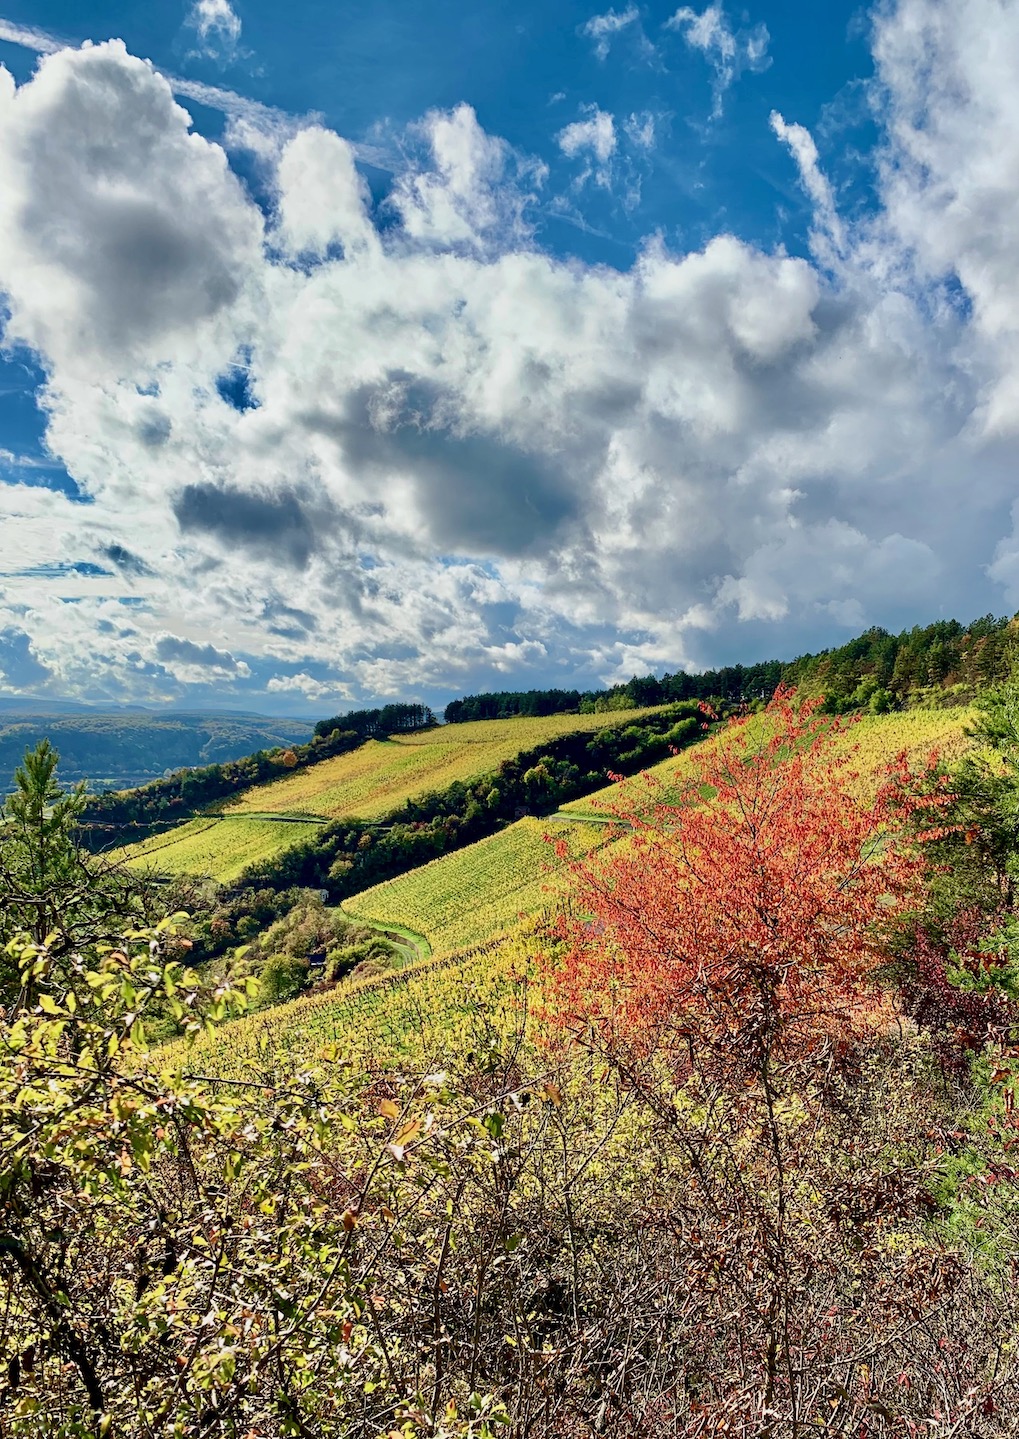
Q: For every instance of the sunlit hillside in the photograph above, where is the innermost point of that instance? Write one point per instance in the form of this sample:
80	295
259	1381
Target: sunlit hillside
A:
478	908
467	897
474	894
221	848
383	774
368	783
873	741
423	1012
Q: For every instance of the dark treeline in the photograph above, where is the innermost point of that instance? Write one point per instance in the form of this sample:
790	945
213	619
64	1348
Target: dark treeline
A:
348	856
371	724
507	704
733	684
877	670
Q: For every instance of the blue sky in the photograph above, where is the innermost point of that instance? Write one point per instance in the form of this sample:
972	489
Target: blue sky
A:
369	70
503	346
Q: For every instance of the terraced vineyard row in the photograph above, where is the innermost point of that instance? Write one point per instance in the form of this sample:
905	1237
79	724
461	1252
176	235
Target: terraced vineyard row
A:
373	780
876	740
424	1012
383	774
467	897
222	848
365	784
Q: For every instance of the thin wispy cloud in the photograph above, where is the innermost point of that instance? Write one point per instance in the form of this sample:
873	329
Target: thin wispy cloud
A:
252	125
729	52
828	233
592	140
30	39
218	28
603	28
11	460
640	129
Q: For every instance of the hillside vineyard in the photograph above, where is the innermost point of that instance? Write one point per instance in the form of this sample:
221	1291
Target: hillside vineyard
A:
509	911
526	1007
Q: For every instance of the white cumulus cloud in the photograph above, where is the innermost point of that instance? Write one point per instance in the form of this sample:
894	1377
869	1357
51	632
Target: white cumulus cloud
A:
306	686
473	190
405	450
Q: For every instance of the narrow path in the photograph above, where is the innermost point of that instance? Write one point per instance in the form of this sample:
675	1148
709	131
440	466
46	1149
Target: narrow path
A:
268	814
414	946
588	819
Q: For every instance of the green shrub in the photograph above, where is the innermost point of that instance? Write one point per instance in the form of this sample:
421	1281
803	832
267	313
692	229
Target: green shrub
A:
282	977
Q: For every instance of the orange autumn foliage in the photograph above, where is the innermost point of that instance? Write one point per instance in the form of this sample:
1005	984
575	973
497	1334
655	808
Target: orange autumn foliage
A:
739	930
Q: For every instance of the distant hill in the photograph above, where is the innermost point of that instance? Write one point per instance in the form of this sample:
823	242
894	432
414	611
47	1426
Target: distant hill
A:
34	705
123	747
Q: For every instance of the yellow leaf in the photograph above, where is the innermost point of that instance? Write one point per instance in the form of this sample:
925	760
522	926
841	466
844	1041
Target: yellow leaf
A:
408	1132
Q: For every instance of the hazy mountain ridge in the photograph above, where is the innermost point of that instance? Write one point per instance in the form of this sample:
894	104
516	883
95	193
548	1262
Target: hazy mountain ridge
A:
127	747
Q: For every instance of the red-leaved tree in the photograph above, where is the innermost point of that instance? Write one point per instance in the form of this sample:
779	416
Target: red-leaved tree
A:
738	924
721	958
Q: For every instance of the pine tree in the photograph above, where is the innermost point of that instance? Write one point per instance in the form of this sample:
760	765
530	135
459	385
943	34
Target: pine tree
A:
51	890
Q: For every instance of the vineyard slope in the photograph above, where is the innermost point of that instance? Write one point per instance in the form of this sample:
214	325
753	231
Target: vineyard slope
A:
468	897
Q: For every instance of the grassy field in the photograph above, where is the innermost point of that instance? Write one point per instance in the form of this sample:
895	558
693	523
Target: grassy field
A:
220	848
474	894
384	774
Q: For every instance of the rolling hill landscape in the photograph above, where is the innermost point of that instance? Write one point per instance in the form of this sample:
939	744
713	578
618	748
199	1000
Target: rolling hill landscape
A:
421	951
443	837
374	781
509	871
470	909
398	779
